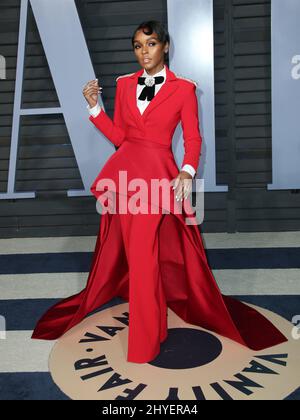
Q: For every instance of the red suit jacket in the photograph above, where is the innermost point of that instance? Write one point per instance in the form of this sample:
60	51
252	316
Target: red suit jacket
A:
176	101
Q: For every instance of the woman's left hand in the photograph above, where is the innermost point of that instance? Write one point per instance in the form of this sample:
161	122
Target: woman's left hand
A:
182	185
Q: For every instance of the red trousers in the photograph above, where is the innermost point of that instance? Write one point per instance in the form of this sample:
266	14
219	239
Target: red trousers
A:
147	300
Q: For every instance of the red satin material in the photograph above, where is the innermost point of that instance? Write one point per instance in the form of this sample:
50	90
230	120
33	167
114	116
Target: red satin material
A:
186	280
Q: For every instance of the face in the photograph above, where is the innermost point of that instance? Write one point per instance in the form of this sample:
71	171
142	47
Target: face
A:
149	51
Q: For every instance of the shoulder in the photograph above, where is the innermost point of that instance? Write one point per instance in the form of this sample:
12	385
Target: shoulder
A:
184	79
124	76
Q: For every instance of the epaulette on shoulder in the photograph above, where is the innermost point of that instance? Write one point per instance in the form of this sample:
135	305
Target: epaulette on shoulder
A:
123	75
185	78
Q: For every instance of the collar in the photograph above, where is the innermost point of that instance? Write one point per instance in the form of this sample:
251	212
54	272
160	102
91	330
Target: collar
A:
162	72
170	75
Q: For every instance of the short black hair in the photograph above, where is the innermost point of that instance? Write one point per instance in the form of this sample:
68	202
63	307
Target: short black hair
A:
150	26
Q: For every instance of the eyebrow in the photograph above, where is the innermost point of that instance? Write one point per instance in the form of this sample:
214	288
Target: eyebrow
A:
147	39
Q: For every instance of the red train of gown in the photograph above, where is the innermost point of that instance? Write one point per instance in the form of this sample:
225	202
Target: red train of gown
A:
190	288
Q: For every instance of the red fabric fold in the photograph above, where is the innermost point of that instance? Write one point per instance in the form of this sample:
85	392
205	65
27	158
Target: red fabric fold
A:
190	288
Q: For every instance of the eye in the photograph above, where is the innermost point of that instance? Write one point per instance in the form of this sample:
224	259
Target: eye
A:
150	43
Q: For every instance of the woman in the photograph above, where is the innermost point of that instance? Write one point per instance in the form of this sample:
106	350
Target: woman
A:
153	259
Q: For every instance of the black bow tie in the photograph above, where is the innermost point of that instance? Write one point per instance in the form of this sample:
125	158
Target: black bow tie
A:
149	90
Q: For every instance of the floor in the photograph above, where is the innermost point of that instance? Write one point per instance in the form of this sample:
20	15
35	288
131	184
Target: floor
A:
259	268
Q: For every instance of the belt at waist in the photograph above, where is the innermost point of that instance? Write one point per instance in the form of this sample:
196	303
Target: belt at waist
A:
147	143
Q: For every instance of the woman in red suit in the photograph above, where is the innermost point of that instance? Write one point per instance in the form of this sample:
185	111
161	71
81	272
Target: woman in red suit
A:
153	259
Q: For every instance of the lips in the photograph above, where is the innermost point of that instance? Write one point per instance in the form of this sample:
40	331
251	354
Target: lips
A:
146	60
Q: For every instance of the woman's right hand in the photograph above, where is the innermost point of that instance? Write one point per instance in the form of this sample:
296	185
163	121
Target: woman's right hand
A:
91	91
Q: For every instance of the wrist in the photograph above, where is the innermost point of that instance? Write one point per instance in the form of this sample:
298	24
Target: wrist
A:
95	110
189	169
186	174
92	104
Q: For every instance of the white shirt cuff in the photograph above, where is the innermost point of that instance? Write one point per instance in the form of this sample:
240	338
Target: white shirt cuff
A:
95	110
189	169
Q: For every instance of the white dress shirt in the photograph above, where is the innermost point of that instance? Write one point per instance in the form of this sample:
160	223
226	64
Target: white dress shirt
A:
142	105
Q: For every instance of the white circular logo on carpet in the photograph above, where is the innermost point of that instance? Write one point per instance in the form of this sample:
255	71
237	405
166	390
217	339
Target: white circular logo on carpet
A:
89	363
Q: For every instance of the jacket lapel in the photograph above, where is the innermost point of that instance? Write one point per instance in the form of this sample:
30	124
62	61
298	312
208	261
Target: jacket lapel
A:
131	96
164	92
